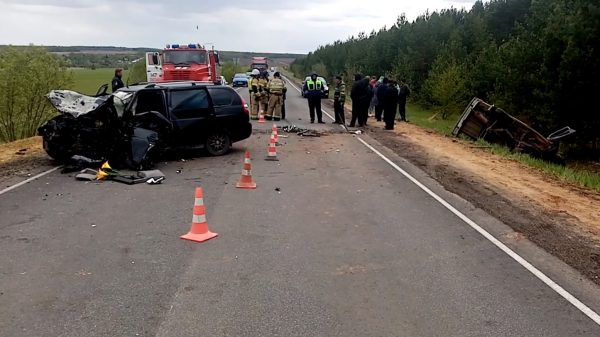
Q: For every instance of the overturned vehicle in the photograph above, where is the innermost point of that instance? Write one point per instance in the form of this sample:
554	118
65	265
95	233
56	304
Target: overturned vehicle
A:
488	122
136	125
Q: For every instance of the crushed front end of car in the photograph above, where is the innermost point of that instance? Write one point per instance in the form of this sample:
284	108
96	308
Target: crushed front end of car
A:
97	128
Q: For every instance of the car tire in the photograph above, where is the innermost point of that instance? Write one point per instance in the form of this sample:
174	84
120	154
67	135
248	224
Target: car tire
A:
56	154
217	143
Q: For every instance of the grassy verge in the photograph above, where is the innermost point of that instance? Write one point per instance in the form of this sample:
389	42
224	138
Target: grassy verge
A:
427	119
567	173
87	81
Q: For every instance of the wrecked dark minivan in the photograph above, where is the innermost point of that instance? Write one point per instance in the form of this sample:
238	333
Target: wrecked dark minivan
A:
137	124
488	122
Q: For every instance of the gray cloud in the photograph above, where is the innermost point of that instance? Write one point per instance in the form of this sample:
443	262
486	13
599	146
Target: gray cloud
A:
260	25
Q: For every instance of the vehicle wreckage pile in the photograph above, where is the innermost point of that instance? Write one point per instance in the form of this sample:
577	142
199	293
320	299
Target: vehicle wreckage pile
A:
488	122
92	130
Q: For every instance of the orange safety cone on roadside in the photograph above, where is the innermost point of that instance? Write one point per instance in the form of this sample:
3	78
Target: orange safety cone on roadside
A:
274	132
199	231
246	181
272	150
261	118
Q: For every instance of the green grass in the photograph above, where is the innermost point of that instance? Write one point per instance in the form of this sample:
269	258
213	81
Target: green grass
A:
427	119
578	176
582	177
87	81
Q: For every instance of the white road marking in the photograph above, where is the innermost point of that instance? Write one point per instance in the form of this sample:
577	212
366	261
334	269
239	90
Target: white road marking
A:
532	269
29	180
536	272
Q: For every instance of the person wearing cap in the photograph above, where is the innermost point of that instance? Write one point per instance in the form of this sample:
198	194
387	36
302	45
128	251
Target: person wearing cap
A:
254	94
276	89
117	82
313	88
339	98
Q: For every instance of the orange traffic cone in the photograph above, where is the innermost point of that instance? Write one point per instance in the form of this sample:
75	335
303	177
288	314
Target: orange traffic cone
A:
261	118
272	150
246	181
199	231
274	132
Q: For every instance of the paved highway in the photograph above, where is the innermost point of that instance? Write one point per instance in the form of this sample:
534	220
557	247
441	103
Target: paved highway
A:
348	246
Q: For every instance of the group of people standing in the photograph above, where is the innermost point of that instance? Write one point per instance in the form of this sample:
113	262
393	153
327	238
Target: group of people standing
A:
267	96
387	96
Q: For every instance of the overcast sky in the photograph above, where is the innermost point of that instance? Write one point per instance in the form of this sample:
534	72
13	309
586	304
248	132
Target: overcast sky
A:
297	26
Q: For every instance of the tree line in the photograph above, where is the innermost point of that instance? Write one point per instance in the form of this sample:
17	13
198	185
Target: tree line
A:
537	59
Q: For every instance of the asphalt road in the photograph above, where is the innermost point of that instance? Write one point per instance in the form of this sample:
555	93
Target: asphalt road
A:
347	247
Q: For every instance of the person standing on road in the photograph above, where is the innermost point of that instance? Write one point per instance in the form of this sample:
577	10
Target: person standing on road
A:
390	98
339	99
263	82
378	97
354	96
314	91
365	101
276	89
403	94
117	82
254	94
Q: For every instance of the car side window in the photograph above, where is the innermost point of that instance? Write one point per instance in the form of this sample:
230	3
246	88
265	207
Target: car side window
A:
189	103
149	101
221	97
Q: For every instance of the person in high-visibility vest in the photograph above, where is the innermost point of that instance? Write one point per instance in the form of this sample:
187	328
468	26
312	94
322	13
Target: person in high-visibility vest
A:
314	90
254	94
276	89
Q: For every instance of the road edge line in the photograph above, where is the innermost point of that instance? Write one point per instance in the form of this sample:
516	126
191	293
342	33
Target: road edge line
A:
524	263
17	185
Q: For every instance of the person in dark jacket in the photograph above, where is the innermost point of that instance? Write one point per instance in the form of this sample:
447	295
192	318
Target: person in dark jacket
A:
313	88
390	99
379	93
403	94
365	101
117	83
355	93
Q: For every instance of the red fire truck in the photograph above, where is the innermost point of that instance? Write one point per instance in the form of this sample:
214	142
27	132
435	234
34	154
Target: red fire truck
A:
185	62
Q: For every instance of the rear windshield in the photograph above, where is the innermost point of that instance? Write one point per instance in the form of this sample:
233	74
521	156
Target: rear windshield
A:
240	76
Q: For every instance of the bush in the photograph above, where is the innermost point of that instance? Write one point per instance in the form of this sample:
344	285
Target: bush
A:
26	76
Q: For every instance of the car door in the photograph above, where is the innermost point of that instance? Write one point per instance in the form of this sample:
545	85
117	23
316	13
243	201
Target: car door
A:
154	71
192	114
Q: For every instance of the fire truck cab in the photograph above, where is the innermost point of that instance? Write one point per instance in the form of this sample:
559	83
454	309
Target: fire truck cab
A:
191	62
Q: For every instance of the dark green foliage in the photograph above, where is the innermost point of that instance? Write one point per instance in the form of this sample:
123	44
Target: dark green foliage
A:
537	59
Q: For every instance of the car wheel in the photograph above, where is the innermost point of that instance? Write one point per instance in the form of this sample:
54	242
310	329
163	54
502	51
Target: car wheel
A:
218	143
54	153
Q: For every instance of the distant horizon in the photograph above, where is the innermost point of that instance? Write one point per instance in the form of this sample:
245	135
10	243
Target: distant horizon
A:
134	48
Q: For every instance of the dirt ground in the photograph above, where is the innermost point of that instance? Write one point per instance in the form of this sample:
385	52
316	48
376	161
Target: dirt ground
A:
21	157
560	217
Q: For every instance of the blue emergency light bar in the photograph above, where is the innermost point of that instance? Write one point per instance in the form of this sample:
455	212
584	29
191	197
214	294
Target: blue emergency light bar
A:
174	46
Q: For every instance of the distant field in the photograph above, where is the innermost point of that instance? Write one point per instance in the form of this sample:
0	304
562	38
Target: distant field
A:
87	81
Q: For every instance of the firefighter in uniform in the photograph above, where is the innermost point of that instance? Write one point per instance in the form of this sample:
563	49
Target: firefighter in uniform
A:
254	94
339	98
263	82
276	89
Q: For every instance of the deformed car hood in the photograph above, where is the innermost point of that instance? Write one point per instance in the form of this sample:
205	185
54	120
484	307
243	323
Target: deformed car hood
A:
76	104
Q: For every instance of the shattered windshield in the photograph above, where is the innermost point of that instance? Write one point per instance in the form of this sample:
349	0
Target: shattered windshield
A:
185	57
120	101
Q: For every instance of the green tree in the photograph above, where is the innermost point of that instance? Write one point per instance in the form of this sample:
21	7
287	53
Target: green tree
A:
26	76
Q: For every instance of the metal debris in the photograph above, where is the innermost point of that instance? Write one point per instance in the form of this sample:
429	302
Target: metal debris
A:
486	121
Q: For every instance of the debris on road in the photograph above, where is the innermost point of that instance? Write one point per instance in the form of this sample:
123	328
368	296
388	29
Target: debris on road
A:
300	131
488	122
